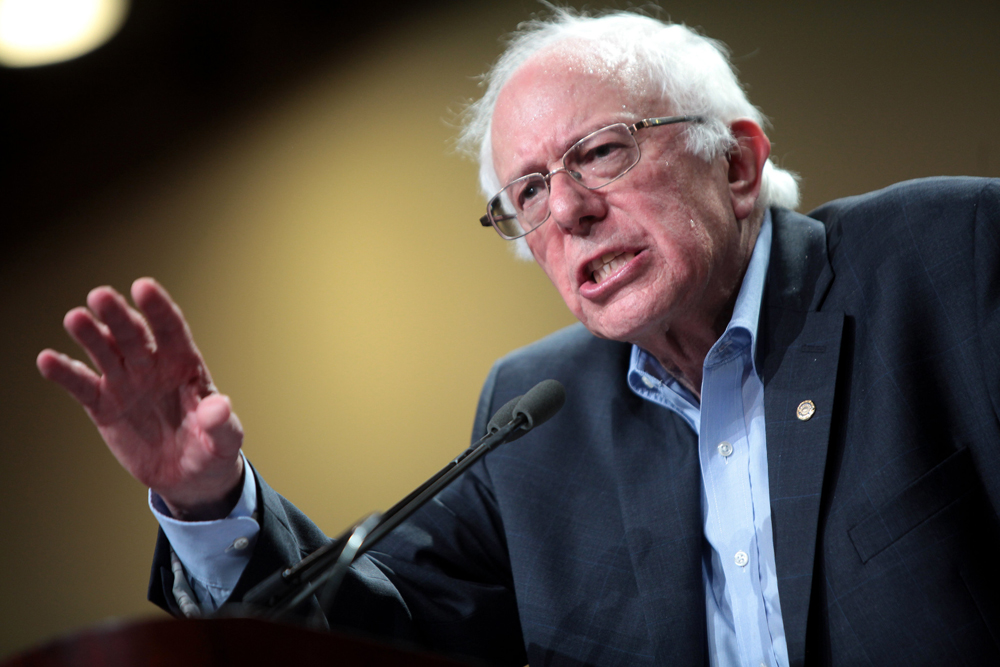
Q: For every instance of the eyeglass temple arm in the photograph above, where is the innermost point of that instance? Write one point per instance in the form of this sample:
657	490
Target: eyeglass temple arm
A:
485	220
667	120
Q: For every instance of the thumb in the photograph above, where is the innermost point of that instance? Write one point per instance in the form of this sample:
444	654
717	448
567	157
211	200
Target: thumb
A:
217	420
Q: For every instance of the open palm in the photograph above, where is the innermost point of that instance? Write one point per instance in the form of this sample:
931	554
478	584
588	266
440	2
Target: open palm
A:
153	402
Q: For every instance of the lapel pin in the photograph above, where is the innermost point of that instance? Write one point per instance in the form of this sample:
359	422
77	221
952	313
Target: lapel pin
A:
806	410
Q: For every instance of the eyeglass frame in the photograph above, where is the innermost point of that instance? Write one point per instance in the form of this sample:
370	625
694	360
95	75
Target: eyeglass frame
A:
487	220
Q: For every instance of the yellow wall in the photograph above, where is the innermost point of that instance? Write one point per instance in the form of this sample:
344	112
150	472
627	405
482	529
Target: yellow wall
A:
326	250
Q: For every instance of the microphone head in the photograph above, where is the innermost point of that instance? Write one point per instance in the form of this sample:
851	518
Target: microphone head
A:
540	403
503	416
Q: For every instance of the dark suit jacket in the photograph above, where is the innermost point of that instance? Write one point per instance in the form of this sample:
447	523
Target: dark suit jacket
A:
581	543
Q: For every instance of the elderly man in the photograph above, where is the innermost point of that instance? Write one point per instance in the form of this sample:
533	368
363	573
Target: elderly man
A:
779	442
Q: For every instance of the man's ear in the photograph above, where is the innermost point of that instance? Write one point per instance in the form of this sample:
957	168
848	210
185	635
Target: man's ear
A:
746	164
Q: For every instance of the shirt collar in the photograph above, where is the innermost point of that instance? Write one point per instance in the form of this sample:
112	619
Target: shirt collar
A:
746	312
647	378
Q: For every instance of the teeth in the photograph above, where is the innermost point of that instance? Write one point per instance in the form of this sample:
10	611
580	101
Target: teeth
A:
608	264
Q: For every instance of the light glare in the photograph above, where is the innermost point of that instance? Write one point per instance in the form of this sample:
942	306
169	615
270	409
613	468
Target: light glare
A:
40	32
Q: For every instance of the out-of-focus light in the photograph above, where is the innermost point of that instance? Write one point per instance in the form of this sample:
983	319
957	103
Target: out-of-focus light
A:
40	32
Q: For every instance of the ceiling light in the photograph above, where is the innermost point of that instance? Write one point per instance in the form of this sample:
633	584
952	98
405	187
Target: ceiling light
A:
40	32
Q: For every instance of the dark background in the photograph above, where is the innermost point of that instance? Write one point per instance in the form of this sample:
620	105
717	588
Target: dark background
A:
176	69
179	68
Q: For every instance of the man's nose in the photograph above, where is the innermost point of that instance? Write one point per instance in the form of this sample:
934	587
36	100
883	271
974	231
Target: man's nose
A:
573	207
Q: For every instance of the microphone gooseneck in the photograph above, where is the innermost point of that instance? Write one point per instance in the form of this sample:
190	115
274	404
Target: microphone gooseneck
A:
287	588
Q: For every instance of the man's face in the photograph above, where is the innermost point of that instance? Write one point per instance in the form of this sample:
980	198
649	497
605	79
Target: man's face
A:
668	228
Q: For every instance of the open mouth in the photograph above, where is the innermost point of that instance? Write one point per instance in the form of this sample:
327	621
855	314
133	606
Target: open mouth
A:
607	264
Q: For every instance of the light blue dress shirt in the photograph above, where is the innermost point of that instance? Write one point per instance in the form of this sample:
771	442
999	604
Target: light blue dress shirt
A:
214	553
741	589
741	586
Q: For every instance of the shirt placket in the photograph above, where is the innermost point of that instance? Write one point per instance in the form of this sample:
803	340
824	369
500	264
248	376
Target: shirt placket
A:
724	453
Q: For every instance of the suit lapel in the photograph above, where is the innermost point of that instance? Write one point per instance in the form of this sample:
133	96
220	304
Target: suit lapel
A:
659	488
798	357
796	459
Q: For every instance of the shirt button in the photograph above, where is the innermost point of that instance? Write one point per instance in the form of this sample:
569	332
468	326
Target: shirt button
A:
725	449
241	543
648	381
741	558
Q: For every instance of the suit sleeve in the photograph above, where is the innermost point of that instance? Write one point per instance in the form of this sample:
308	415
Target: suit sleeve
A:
987	259
441	580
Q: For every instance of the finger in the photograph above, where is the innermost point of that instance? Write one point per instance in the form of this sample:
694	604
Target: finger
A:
127	327
74	376
216	418
95	338
170	329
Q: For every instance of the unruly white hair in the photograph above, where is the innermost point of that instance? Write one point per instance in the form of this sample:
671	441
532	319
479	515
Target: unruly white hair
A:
690	71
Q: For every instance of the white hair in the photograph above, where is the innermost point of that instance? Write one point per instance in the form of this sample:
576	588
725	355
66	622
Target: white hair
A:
689	70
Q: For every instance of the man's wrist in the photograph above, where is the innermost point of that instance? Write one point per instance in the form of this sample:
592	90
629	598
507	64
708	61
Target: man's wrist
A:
213	510
213	553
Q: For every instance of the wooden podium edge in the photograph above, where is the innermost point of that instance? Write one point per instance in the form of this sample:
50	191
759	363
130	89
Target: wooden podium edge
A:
211	643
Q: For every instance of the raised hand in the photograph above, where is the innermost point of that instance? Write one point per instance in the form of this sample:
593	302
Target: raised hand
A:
154	402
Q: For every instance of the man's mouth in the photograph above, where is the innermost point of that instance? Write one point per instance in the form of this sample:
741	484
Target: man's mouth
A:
606	264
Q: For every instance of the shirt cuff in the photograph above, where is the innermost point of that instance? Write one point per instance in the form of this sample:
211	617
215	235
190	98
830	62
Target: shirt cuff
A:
214	553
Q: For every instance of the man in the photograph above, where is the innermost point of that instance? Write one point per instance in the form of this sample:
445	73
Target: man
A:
778	445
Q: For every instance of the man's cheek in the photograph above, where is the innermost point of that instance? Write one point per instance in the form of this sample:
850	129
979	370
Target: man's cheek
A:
553	267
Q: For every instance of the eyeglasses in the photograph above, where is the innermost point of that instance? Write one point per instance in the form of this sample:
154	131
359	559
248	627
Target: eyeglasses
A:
599	158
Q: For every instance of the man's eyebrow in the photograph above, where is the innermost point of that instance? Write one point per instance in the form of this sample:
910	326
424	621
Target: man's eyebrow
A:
527	170
530	167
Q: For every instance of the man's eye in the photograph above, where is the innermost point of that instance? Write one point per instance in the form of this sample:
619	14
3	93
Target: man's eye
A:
528	193
601	152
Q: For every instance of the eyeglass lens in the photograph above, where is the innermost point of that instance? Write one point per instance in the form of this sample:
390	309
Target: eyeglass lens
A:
594	161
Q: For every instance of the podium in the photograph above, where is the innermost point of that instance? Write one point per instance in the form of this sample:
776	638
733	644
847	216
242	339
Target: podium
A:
217	643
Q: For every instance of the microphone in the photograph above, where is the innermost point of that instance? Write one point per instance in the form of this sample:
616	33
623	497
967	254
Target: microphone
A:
534	408
503	416
540	403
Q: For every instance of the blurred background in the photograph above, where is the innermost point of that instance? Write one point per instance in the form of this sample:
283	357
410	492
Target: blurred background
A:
287	170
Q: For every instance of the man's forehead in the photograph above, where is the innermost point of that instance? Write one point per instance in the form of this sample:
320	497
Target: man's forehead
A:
554	99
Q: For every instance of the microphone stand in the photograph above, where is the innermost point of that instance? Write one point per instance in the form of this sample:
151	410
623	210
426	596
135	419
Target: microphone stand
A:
284	590
287	588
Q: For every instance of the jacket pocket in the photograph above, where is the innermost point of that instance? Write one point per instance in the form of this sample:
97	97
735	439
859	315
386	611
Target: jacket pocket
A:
942	485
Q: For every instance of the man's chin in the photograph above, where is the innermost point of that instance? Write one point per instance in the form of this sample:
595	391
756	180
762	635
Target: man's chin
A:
624	331
627	315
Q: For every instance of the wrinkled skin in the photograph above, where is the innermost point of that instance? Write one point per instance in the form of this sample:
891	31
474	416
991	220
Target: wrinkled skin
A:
691	224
